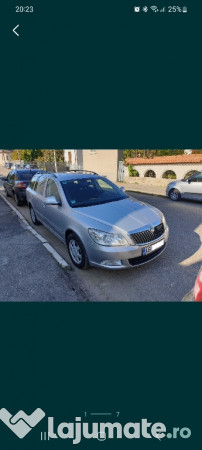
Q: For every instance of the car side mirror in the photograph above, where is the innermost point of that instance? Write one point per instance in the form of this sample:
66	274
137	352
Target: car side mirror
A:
52	201
122	188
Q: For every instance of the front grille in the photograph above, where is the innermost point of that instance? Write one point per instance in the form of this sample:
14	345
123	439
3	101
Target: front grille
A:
143	259
148	236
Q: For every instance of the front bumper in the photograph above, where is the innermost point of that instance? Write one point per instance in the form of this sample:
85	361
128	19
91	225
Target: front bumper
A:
169	187
125	257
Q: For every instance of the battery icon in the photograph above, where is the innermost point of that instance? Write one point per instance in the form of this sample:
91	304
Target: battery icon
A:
184	9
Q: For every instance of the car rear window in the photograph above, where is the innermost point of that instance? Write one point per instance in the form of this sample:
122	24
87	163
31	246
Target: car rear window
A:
25	176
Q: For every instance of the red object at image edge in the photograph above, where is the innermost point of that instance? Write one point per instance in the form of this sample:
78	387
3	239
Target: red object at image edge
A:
198	288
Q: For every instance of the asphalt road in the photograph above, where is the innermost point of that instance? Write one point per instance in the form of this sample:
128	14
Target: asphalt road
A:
27	271
167	278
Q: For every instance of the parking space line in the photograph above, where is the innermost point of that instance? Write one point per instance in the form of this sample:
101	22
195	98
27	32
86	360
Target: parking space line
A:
44	242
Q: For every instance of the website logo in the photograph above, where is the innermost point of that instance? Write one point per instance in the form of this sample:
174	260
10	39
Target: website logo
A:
21	424
84	428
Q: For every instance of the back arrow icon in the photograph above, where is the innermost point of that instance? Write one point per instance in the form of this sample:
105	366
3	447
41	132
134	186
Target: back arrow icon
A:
14	30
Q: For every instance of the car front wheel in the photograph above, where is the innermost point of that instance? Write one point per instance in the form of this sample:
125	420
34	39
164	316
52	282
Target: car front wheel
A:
174	195
77	252
33	216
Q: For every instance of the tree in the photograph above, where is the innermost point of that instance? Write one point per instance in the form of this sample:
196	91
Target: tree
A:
31	155
48	155
150	153
17	155
26	155
37	155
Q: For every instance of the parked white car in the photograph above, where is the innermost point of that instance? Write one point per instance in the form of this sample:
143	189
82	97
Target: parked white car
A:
190	188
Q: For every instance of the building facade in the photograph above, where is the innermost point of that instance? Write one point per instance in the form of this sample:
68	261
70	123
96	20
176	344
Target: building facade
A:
103	162
74	159
180	165
5	156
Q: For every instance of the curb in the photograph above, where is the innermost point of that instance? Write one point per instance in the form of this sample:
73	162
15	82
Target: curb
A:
43	241
147	193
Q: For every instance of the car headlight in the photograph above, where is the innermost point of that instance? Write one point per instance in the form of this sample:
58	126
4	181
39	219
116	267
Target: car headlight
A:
107	239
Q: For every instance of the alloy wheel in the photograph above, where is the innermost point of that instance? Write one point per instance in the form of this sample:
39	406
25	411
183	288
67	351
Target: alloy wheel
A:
75	251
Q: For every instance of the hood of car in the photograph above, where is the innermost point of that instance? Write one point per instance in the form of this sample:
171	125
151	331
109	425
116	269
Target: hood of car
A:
175	183
128	215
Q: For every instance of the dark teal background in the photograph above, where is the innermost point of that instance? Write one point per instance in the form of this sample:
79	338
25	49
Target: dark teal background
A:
142	360
96	75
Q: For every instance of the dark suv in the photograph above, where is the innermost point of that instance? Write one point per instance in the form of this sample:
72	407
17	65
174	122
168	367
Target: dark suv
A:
16	183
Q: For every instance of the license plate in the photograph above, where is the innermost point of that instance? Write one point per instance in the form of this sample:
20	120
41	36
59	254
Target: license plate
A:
153	247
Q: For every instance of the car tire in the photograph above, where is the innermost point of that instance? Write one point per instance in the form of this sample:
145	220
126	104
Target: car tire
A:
6	192
77	252
33	216
174	195
17	200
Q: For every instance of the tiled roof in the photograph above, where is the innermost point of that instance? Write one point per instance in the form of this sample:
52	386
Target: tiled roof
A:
178	159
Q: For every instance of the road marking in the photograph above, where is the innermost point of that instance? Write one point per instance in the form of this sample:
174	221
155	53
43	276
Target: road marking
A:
38	236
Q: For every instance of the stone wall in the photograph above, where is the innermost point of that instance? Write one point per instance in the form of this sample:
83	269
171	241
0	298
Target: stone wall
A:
180	169
147	181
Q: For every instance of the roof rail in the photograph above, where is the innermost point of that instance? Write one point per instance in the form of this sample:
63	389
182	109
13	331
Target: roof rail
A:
81	170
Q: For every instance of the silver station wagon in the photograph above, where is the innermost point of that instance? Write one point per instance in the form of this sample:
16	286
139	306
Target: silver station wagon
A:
101	225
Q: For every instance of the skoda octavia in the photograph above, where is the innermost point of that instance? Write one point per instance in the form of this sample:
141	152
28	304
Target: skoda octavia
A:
101	225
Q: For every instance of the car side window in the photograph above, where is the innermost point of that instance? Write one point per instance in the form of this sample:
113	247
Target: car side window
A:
12	176
39	187
196	178
32	182
200	178
52	190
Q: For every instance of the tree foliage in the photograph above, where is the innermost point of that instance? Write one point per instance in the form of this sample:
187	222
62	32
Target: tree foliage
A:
26	155
37	155
48	156
150	153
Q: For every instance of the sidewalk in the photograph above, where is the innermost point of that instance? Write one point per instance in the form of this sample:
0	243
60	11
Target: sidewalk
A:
28	272
144	188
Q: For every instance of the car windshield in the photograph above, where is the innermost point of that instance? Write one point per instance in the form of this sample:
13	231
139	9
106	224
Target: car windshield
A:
83	192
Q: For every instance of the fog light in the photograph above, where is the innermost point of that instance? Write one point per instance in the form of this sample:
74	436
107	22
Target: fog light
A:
111	263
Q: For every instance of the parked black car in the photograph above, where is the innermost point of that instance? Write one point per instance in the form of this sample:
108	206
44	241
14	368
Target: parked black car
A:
16	183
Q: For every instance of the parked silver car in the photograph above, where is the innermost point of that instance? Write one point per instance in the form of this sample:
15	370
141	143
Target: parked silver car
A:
101	225
190	188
